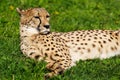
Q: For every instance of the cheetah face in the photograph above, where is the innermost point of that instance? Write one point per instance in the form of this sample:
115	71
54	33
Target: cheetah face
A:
36	20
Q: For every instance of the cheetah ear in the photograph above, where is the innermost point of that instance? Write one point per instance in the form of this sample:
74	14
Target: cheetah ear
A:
20	11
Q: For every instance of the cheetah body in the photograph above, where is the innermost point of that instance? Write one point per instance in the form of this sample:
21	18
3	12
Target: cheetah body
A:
62	50
91	44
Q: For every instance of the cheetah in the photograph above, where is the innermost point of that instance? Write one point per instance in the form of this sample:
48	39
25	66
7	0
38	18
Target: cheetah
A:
62	50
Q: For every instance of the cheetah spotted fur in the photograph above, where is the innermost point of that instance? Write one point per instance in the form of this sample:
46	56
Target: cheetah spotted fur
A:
62	50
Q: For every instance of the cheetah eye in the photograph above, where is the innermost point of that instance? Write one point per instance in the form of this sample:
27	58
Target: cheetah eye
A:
37	17
47	16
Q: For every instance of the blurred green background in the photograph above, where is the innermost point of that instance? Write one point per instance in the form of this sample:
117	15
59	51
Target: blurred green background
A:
66	15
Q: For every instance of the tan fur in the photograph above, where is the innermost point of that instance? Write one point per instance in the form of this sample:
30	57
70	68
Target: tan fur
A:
62	50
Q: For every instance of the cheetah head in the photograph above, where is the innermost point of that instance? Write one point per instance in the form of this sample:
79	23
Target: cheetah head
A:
36	20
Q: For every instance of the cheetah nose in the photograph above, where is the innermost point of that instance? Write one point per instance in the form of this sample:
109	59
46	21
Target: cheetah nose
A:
47	26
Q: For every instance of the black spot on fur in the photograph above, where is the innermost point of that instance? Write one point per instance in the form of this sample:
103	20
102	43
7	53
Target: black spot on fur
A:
79	48
46	54
31	53
88	50
104	41
56	55
93	45
52	48
37	56
47	49
117	43
109	40
85	43
101	45
95	37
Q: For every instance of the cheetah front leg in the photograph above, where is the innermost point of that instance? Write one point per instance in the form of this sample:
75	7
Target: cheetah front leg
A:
57	67
32	52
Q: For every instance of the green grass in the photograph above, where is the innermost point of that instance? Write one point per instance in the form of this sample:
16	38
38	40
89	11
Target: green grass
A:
66	15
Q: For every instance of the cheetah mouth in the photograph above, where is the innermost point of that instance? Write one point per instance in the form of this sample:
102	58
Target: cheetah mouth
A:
45	31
